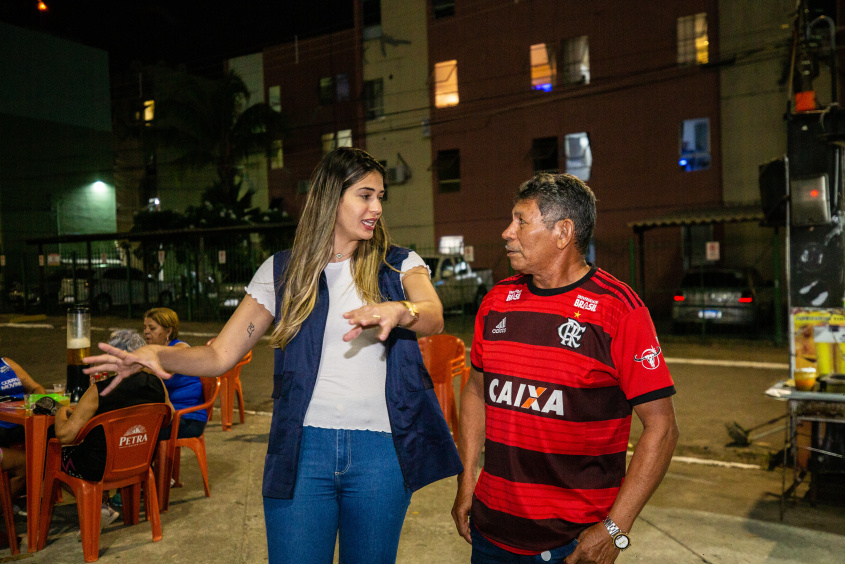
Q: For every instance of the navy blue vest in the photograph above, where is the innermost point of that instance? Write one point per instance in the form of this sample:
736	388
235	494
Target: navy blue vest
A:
424	446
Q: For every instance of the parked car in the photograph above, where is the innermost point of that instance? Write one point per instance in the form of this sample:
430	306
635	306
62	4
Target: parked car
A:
112	286
52	284
456	283
723	296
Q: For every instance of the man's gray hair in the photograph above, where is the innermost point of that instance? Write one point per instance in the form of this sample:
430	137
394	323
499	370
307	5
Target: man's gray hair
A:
563	196
126	339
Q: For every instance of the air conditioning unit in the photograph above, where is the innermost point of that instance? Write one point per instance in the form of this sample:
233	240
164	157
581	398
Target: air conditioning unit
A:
396	175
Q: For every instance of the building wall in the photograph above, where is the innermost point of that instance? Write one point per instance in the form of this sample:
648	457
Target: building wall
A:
55	142
297	69
399	57
632	110
755	43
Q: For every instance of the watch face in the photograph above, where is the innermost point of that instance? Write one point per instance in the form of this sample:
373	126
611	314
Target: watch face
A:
621	541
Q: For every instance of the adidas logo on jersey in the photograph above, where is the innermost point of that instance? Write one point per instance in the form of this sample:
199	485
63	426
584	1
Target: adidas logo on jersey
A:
500	328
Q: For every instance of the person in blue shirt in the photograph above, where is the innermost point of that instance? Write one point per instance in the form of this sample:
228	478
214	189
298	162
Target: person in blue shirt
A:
161	327
15	382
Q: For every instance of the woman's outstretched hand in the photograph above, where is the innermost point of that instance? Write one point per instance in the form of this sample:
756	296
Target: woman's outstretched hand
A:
386	315
125	364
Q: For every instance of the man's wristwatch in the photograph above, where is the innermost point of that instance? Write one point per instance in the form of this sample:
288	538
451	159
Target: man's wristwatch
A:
620	540
415	313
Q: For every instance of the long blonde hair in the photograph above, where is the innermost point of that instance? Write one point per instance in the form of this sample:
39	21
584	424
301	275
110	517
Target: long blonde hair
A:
312	245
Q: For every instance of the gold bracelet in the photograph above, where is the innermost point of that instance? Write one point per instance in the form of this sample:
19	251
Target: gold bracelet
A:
412	309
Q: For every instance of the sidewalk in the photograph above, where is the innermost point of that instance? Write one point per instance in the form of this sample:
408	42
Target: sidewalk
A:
229	527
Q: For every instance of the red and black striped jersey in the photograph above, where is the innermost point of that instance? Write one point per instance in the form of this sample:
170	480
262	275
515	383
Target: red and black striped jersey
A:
562	370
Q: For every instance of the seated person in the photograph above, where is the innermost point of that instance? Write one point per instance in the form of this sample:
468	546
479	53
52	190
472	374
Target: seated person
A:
15	382
161	327
87	460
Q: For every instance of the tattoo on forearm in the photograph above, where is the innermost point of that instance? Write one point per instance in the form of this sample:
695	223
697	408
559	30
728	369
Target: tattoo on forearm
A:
250	329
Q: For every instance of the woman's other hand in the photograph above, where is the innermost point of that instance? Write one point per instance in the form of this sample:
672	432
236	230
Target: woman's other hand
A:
125	363
386	315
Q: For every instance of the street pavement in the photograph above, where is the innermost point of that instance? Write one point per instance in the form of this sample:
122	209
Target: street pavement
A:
718	503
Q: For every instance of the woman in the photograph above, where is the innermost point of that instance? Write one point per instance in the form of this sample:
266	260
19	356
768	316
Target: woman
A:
161	327
356	424
15	382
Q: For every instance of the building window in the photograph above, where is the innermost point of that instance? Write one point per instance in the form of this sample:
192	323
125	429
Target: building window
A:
148	113
443	8
692	40
576	60
544	153
446	84
543	67
579	156
371	18
695	144
449	170
342	82
277	159
332	141
274	98
302	187
374	98
326	90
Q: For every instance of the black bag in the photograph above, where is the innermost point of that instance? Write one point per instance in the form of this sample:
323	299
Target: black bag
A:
46	406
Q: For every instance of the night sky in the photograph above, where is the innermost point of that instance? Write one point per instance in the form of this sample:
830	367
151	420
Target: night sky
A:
197	33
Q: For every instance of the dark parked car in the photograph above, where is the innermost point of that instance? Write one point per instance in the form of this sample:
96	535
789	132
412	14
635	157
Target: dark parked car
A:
723	296
113	286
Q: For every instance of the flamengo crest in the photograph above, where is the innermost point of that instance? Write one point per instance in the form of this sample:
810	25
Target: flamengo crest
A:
570	333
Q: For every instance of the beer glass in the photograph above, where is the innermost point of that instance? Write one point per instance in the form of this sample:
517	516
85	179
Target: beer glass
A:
78	347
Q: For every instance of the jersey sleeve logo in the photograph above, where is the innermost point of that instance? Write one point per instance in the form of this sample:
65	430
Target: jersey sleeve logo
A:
650	358
570	333
513	295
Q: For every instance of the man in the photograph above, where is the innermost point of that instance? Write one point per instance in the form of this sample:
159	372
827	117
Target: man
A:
562	353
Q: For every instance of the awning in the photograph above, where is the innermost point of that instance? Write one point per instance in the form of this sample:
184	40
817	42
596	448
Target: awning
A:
699	216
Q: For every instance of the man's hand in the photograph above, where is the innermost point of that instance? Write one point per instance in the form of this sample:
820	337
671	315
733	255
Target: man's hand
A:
460	511
125	364
595	546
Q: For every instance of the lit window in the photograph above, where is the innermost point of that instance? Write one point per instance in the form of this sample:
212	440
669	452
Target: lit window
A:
576	60
149	110
695	144
277	160
543	67
579	156
544	154
446	84
274	98
692	40
449	170
331	141
374	98
326	90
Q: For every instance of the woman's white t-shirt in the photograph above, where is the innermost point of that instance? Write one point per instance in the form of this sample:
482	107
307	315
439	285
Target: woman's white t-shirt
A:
349	393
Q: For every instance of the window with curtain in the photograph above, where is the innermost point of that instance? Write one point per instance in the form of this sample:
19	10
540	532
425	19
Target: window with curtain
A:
579	156
693	44
446	84
576	60
543	67
695	144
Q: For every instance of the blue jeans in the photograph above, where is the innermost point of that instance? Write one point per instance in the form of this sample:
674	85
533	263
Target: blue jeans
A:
348	482
485	552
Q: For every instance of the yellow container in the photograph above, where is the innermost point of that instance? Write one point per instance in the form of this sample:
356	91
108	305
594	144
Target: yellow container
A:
824	357
805	379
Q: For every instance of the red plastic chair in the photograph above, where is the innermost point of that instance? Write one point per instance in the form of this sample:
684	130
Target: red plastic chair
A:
130	443
8	512
169	454
445	358
230	383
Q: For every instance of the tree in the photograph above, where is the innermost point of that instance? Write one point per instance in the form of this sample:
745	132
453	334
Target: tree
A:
210	123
